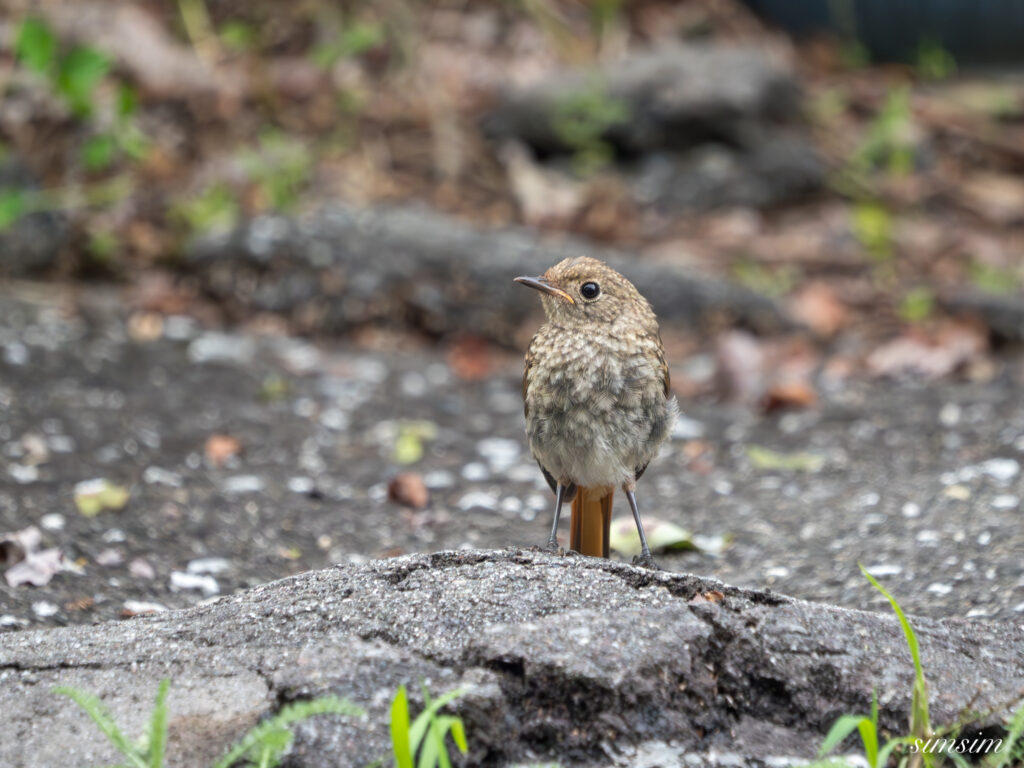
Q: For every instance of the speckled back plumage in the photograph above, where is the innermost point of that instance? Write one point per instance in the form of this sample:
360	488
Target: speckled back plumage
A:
596	387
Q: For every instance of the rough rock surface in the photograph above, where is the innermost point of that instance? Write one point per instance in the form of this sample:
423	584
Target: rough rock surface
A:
344	267
708	126
584	661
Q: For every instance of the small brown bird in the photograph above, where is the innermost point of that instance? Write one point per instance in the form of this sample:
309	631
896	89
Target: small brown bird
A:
596	395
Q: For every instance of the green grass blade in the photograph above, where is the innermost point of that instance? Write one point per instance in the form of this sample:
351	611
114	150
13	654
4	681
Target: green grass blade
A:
438	731
840	729
920	724
400	729
158	726
266	732
95	709
430	755
869	737
458	731
430	708
886	751
1010	744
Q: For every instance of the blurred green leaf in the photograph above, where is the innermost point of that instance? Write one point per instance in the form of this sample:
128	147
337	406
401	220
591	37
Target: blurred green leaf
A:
215	208
98	151
95	496
766	459
917	304
990	279
409	441
661	536
36	45
237	36
79	74
872	226
933	61
353	40
12	207
127	101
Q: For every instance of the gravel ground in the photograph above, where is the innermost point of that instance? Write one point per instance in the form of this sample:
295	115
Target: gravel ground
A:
922	484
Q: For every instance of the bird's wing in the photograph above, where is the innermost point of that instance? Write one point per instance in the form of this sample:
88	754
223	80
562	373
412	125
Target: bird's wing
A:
666	379
530	359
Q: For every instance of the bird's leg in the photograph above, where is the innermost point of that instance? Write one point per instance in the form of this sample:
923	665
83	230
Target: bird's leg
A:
644	558
561	492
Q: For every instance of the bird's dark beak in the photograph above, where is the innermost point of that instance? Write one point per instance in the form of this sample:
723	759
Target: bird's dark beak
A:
540	284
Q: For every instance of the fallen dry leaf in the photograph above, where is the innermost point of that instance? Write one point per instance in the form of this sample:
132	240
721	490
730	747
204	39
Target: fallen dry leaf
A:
29	564
95	496
408	489
817	306
789	394
544	196
471	358
932	355
220	448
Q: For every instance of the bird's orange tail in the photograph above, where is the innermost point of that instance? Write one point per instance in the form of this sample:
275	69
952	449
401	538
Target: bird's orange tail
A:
591	523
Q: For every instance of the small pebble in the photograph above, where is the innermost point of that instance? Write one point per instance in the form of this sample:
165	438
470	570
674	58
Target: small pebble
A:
44	608
222	348
911	509
687	429
15	353
939	588
110	557
22	473
478	499
141	569
211	565
927	537
885	569
949	416
438	478
300	484
240	484
501	453
377	492
141	606
512	505
61	443
8	621
54	521
1006	501
958	492
869	499
1003	470
159	476
475	472
191	581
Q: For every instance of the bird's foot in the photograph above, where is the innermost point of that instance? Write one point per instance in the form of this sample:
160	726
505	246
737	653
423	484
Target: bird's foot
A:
551	547
646	561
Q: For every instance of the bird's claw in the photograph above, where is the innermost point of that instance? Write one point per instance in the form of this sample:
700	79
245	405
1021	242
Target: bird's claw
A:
554	548
646	561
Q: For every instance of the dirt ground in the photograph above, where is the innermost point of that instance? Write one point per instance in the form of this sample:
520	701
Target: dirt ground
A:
251	457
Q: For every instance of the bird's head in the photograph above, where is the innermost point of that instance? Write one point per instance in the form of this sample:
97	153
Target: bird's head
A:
584	290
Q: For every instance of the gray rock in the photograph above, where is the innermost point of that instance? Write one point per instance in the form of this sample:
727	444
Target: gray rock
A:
676	97
33	243
1002	313
702	126
585	661
404	266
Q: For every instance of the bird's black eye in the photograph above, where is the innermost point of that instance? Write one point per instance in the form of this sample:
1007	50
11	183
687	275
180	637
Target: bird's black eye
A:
590	290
